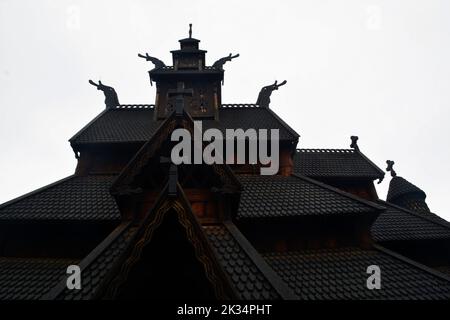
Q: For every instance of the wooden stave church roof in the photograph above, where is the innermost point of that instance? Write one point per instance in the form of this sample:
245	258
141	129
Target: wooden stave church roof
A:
219	235
274	272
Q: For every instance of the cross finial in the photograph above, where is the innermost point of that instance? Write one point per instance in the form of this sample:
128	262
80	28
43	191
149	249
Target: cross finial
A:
354	144
390	168
190	30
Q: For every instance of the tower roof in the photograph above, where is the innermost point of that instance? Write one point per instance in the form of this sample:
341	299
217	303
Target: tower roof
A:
399	187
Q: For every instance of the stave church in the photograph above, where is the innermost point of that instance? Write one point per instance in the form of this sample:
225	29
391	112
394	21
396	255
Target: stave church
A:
138	226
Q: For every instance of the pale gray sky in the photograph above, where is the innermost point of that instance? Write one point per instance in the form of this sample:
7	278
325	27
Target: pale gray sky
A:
377	69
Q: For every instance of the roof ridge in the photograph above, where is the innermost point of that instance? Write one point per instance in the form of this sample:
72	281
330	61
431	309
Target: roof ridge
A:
36	191
325	150
134	106
416	214
239	105
411	262
223	105
340	192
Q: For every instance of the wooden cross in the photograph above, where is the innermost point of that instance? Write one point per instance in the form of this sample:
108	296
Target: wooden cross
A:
390	167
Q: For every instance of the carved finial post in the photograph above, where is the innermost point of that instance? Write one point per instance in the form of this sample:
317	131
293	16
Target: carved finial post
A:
190	30
111	98
265	93
390	165
219	63
158	63
354	144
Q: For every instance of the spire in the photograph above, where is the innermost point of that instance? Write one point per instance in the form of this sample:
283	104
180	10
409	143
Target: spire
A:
190	30
405	194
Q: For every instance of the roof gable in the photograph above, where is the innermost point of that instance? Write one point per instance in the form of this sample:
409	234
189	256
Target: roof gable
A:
165	205
151	153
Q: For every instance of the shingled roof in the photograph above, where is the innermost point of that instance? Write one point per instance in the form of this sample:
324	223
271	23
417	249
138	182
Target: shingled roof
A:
248	280
72	198
326	274
279	196
30	278
135	123
335	163
397	223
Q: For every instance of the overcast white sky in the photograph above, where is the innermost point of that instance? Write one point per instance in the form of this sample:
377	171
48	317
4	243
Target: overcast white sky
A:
376	69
